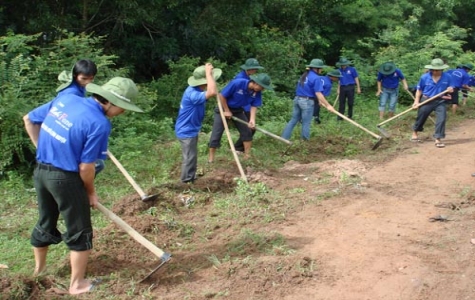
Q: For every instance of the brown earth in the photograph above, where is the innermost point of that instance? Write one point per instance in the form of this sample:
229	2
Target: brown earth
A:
371	238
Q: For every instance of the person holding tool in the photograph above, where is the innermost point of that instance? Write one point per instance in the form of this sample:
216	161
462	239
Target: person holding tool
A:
388	87
250	67
70	134
201	87
434	82
309	89
234	97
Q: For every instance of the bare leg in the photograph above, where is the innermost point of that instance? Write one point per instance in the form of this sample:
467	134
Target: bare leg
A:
381	115
414	135
454	108
212	151
40	259
391	114
247	149
78	284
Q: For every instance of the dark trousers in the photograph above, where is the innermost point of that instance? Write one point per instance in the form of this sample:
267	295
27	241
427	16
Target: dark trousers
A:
239	145
441	116
347	95
61	192
218	128
316	110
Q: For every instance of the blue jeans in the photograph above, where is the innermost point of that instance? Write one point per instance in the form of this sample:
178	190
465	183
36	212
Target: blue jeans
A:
391	95
302	111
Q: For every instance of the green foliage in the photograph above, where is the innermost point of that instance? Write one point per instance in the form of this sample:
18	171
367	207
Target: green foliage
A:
28	75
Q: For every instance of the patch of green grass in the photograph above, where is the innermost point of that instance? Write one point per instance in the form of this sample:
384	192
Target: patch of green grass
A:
249	242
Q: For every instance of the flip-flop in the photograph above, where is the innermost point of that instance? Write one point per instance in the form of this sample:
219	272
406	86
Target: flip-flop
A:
416	140
440	145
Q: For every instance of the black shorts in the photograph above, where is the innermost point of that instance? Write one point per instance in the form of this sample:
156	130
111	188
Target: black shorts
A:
61	193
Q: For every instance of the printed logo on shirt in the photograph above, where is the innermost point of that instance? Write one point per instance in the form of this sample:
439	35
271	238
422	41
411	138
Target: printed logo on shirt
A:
61	118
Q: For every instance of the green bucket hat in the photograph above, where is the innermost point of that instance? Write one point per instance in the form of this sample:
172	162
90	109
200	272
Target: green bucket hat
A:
334	73
467	66
251	64
387	68
199	76
119	91
263	80
66	78
343	61
316	63
436	64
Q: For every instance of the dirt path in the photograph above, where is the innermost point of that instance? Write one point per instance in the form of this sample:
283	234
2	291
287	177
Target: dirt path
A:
377	242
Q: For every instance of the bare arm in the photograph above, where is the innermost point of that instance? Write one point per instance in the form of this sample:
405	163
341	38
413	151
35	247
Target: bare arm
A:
379	91
404	83
224	103
211	89
417	98
252	121
323	102
358	89
33	130
87	173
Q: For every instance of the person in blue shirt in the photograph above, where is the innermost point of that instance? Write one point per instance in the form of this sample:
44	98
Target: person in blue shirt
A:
74	82
434	82
388	87
84	71
309	89
234	97
70	134
460	80
202	86
328	80
250	67
471	82
346	87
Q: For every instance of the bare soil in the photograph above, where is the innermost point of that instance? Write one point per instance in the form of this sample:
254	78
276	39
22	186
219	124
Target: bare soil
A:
371	238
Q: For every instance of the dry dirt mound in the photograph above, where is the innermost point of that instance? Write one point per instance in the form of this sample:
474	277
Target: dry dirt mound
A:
359	230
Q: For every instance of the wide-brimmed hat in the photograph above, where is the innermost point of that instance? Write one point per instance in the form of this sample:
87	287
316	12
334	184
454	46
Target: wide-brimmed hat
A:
251	64
334	73
436	64
343	61
317	63
66	78
387	68
119	91
199	76
467	66
263	80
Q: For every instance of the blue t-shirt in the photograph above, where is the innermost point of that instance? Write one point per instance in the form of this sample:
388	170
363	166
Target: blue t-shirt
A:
73	130
244	75
312	84
391	81
471	80
191	114
348	76
238	95
327	85
75	89
460	77
429	88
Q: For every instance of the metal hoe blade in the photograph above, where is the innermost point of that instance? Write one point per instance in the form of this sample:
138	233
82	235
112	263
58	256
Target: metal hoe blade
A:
384	132
166	257
146	198
377	144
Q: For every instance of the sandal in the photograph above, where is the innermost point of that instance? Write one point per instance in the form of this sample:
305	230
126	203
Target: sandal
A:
439	145
416	140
